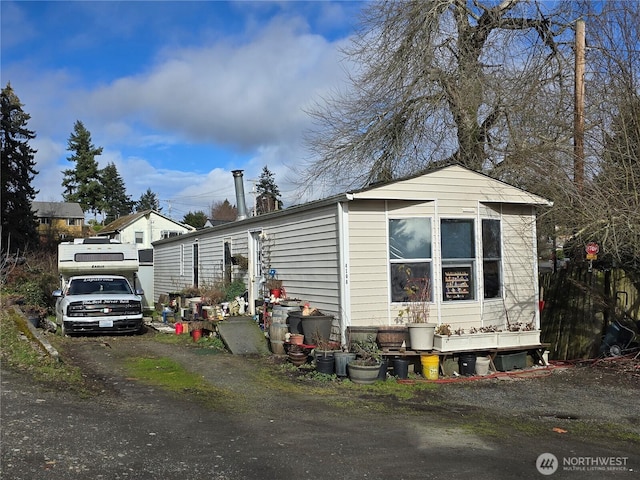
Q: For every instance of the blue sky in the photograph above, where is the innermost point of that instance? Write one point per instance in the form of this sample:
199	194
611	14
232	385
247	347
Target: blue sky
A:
178	94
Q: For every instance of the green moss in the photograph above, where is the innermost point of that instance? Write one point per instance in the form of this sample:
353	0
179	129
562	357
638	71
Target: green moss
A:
21	352
170	375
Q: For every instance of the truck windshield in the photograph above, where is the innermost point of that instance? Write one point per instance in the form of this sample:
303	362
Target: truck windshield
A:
102	286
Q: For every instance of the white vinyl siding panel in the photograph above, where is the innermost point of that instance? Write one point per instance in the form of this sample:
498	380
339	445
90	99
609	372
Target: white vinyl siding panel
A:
305	256
520	263
455	185
166	270
369	271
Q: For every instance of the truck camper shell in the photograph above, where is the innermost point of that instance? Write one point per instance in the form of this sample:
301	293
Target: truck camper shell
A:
90	256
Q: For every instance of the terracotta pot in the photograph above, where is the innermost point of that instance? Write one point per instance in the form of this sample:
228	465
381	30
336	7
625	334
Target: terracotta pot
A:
296	338
298	358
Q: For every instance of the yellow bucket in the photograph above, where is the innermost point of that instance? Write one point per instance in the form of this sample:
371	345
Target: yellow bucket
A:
430	366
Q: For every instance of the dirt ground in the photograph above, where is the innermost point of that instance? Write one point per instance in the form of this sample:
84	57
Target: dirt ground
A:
280	423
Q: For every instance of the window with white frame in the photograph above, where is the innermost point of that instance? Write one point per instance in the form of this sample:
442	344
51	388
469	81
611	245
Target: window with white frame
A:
74	222
45	220
491	258
457	243
168	234
410	257
139	237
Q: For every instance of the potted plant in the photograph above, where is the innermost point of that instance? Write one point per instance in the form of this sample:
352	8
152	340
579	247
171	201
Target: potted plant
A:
448	340
274	286
297	355
416	311
365	368
519	334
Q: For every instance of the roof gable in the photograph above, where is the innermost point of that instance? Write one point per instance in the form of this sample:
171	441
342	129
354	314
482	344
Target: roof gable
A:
448	181
123	222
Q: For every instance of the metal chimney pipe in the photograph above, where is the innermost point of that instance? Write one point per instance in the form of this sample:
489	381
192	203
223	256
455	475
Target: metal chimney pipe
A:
240	201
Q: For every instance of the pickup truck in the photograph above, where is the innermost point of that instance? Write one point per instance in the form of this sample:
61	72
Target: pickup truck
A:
96	295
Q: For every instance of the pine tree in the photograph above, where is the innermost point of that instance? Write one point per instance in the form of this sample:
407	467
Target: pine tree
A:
19	225
148	201
116	201
195	219
268	193
83	183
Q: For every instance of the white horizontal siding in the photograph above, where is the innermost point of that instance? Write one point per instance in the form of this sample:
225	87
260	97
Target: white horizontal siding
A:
453	184
520	267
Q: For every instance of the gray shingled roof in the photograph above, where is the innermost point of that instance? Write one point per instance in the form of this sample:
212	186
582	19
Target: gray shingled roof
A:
57	209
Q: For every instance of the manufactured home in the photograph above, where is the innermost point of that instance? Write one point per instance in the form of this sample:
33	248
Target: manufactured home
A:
471	238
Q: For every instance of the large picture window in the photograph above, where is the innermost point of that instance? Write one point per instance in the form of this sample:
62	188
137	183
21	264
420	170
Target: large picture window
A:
491	258
458	259
410	257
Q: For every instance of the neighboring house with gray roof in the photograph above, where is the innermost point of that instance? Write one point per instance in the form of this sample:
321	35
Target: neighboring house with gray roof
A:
59	220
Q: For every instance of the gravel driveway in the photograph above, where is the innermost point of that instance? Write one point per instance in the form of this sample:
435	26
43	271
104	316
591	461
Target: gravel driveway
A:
299	428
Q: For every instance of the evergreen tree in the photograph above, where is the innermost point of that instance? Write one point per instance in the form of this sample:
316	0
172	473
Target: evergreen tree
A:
116	201
19	225
148	201
268	193
83	183
195	219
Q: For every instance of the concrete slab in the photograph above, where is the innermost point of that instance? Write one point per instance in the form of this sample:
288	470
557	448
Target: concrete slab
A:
243	336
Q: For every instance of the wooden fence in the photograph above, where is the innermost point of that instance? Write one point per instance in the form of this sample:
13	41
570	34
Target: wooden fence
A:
579	304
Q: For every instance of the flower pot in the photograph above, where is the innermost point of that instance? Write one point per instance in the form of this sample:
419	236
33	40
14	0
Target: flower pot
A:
296	338
316	328
294	319
384	366
363	374
467	341
401	368
196	334
361	334
519	339
325	365
298	358
341	360
467	364
421	335
482	365
392	337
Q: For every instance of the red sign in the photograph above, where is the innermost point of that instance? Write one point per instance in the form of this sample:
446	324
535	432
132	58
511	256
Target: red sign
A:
592	248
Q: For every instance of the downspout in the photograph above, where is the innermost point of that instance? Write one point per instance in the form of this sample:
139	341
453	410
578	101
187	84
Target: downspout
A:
343	258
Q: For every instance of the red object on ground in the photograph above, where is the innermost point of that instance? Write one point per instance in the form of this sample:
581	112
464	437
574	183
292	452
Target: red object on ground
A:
178	328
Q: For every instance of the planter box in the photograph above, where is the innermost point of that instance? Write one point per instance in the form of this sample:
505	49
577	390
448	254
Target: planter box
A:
470	341
518	339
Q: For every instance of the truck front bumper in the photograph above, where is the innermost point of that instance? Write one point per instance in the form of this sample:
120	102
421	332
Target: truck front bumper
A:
104	325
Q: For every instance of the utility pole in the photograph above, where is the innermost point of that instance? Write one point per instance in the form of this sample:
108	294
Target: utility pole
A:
578	117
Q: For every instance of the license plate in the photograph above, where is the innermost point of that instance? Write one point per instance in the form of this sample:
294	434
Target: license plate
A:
106	323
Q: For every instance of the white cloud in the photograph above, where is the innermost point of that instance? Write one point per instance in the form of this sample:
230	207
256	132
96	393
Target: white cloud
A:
244	97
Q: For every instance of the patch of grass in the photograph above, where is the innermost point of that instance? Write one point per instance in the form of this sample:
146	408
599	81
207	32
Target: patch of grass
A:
22	352
171	376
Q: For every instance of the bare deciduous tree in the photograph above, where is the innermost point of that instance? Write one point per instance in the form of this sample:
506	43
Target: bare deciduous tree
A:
608	211
483	84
